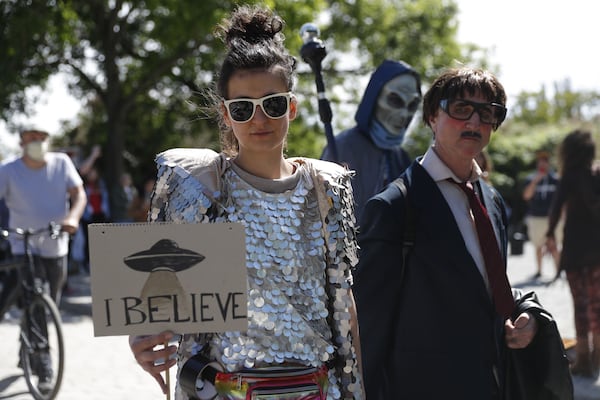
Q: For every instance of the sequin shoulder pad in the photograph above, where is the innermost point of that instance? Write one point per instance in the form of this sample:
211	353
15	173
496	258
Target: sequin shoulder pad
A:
336	203
187	185
204	164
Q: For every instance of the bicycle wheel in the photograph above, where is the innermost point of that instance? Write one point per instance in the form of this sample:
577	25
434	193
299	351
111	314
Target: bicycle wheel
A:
42	351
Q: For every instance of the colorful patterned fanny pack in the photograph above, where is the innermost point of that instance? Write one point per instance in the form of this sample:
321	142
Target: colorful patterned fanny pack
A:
201	380
273	384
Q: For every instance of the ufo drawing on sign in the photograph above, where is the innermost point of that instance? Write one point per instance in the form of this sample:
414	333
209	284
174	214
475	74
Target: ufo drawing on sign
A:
163	255
162	261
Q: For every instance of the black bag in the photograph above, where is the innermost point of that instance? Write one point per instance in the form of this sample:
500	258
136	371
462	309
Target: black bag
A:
541	370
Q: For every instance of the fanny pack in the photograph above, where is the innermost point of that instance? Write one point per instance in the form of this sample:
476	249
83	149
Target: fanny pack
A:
271	383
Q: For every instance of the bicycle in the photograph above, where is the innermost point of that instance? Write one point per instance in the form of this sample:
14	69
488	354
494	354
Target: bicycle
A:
42	353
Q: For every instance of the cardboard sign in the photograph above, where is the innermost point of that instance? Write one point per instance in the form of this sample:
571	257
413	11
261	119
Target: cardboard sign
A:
151	277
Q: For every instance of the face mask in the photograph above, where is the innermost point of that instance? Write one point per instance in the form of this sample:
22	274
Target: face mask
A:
36	150
382	138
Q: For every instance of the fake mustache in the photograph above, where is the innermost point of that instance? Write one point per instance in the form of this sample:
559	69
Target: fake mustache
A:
470	134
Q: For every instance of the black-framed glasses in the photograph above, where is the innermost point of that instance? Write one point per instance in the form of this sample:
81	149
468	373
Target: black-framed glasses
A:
462	110
274	106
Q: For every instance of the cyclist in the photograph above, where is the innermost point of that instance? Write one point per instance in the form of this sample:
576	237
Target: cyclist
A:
40	187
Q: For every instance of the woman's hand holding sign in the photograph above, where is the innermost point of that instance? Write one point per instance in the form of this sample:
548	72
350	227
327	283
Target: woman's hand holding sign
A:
154	357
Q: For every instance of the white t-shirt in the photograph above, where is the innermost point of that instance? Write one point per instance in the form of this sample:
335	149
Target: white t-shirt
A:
36	197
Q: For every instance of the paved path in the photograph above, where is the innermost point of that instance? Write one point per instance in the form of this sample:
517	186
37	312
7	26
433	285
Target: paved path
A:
95	367
556	298
100	368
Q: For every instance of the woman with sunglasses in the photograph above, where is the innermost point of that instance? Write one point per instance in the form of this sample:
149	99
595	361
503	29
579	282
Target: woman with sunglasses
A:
300	238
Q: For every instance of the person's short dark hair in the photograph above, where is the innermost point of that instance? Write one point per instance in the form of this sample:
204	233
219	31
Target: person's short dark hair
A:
459	82
542	155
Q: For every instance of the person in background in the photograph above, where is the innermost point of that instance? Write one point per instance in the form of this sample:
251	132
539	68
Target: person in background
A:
78	250
128	187
373	148
42	187
130	194
301	318
435	324
90	161
97	209
540	187
578	199
140	205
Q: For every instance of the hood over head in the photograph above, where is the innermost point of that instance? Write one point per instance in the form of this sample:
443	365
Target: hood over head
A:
386	71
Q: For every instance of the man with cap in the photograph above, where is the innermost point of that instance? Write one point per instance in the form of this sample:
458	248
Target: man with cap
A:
42	187
373	147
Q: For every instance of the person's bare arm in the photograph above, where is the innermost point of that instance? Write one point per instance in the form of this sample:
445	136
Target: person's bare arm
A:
529	190
88	163
78	203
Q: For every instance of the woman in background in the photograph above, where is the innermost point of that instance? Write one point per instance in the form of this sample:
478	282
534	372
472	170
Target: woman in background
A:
578	196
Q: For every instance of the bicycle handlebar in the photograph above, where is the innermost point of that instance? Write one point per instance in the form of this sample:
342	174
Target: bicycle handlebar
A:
53	228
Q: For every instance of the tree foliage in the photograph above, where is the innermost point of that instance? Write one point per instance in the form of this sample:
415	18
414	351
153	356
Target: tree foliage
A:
422	33
142	68
562	103
29	50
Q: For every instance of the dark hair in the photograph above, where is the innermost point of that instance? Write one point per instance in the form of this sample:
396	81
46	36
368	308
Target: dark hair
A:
577	151
458	82
254	38
542	154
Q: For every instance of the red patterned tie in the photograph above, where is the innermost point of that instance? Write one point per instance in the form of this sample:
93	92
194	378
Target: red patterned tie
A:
494	265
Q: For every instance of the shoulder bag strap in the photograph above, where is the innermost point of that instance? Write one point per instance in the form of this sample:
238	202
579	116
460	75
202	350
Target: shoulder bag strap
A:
408	240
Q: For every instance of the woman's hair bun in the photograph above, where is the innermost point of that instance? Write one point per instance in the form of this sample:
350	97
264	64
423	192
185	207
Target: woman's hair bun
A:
252	25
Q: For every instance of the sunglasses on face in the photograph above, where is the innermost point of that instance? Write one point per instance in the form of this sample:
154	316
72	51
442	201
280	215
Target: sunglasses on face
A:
462	110
274	106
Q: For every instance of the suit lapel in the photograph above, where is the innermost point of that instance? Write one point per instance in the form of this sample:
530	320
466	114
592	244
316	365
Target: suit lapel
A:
444	244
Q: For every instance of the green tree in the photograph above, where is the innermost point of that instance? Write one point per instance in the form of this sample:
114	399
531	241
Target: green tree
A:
143	67
28	55
560	104
360	34
422	33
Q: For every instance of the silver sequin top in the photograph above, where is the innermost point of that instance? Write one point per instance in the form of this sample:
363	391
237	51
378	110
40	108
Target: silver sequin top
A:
292	271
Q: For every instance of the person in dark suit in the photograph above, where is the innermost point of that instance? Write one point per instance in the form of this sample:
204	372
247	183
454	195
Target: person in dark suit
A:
437	326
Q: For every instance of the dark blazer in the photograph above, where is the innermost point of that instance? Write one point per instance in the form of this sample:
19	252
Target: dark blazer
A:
430	332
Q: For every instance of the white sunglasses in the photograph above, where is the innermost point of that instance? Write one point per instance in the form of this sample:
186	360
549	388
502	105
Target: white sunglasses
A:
274	106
